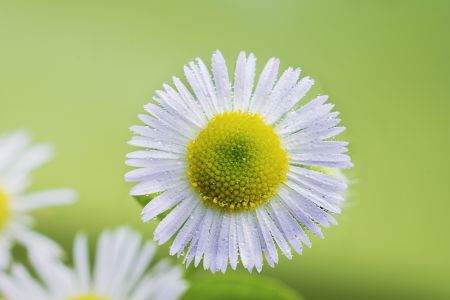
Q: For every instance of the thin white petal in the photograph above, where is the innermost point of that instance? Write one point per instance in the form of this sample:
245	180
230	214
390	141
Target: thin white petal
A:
163	202
44	199
203	236
264	86
301	216
243	242
244	78
267	237
174	220
81	262
209	259
233	242
294	96
275	232
186	233
222	81
223	247
281	90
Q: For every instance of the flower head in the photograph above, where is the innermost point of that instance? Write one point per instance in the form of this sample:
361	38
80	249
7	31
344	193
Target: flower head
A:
240	168
120	272
17	159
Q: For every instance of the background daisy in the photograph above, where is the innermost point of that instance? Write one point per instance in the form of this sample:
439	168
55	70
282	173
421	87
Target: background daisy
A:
17	159
243	168
119	272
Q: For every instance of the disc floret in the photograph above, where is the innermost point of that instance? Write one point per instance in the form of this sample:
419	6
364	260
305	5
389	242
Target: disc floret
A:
4	208
89	297
236	162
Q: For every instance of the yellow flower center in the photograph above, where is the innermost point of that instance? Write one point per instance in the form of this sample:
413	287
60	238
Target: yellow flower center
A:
4	208
88	297
236	161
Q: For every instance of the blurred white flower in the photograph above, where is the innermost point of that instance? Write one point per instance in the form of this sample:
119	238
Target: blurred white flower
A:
119	272
17	159
240	170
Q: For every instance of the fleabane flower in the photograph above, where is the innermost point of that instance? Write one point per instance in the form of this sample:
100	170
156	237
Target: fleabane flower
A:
120	272
17	159
239	169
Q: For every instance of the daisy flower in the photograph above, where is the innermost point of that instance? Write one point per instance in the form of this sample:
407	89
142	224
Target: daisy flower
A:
17	159
238	169
120	272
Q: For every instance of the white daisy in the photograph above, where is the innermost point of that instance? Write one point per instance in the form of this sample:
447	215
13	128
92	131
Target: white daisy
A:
120	272
17	159
239	169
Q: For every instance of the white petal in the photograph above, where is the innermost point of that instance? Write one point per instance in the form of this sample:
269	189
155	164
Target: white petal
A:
203	236
243	242
294	96
164	130
186	106
195	81
174	220
209	259
31	158
186	233
124	266
223	247
190	101
174	122
37	245
233	242
267	238
331	195
19	285
288	225
81	262
264	86
163	202
323	160
207	84
312	134
102	260
222	81
275	232
318	199
44	199
154	154
318	147
281	90
141	263
11	147
297	119
155	186
301	216
58	278
255	244
319	179
152	168
148	143
156	135
178	110
5	252
244	78
192	249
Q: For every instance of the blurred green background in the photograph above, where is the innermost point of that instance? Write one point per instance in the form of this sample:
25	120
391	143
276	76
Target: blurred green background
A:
76	73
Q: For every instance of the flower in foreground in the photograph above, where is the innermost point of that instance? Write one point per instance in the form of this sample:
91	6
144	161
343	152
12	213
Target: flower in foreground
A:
17	159
239	169
120	272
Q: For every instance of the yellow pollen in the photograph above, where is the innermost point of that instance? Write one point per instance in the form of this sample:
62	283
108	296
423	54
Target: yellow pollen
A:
4	208
236	162
88	297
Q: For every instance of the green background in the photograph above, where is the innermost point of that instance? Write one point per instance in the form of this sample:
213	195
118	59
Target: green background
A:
76	74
